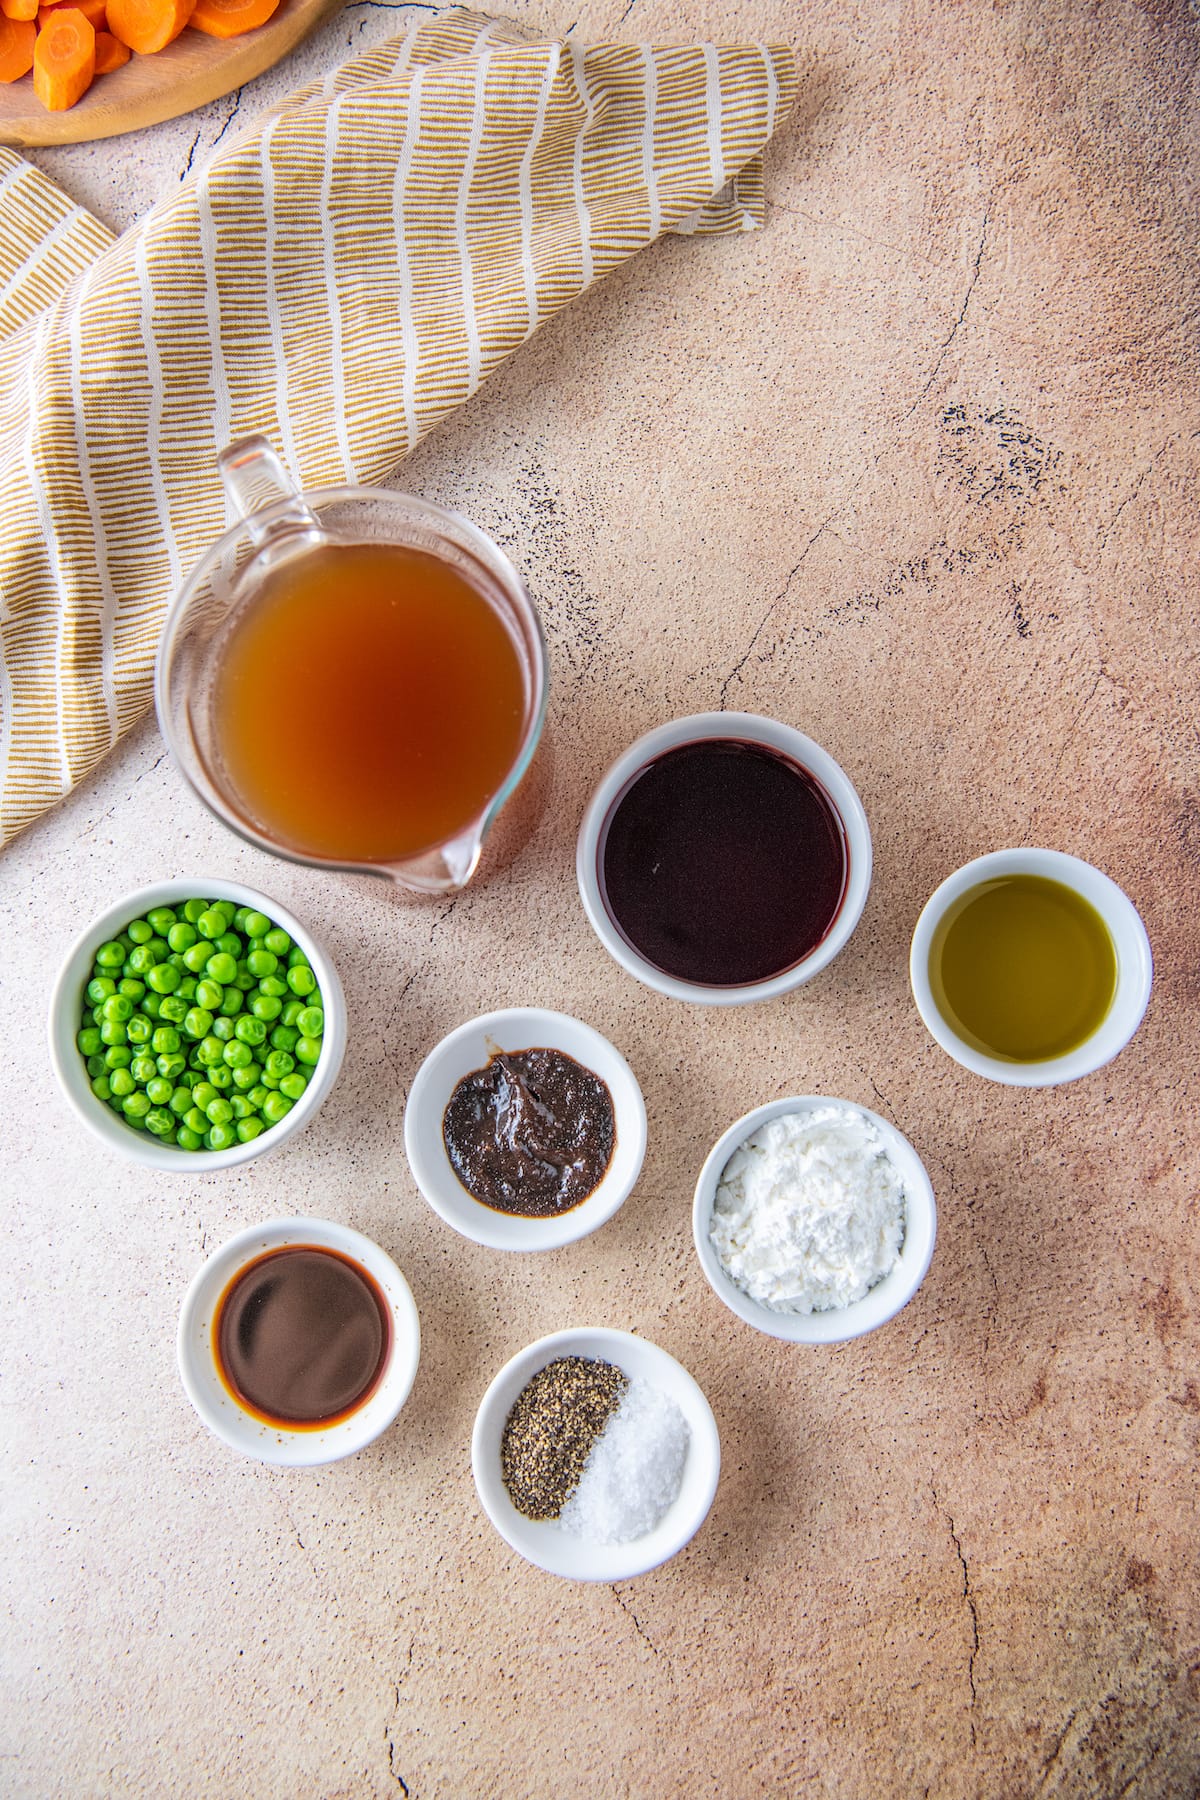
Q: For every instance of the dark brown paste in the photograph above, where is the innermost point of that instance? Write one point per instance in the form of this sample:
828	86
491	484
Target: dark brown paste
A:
532	1133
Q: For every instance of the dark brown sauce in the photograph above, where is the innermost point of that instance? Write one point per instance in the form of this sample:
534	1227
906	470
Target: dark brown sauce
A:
723	862
531	1134
302	1336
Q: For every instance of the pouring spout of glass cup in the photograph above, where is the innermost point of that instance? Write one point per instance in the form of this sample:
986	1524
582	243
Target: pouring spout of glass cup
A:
275	521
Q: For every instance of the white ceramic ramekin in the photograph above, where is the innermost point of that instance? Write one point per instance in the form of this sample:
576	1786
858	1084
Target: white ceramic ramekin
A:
217	1406
471	1047
743	728
886	1298
67	1002
545	1543
1130	944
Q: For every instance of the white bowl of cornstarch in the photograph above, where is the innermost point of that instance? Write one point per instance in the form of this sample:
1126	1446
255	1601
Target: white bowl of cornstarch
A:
814	1219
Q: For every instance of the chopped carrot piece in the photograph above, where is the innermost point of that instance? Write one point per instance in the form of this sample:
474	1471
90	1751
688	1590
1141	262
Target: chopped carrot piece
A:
92	10
19	9
16	47
229	18
111	53
148	25
64	59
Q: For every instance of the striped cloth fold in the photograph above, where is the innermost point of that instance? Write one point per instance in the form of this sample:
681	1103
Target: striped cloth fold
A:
338	277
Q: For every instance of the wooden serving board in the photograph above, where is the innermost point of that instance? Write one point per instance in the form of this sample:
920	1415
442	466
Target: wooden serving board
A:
188	73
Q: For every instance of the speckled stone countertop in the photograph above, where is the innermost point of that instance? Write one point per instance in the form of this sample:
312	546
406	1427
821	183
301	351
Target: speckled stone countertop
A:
917	469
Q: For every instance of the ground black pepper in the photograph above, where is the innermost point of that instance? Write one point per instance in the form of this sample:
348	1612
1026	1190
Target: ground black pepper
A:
550	1431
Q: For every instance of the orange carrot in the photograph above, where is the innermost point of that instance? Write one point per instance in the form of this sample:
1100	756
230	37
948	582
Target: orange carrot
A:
64	59
111	53
148	25
92	10
229	18
19	9
16	47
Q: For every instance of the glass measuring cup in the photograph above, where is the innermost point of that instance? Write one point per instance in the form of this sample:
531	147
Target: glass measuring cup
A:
345	538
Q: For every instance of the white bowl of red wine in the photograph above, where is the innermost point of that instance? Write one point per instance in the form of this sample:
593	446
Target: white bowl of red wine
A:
724	858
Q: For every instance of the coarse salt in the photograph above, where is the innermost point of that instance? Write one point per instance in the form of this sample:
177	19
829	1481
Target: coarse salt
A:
809	1212
634	1470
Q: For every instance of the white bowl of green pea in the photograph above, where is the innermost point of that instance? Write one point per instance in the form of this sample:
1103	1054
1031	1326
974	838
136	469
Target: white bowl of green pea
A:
195	1024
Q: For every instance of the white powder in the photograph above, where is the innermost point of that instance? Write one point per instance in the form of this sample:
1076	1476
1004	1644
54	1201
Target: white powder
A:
633	1471
809	1212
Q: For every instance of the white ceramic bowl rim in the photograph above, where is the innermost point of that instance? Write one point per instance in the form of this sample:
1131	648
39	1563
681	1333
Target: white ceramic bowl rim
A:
217	1407
1130	944
71	1069
546	1544
752	728
468	1047
886	1298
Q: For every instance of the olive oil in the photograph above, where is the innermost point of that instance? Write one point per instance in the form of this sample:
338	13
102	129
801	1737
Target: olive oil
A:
1023	968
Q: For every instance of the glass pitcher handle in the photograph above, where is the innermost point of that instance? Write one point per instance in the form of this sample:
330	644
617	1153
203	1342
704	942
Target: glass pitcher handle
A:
263	493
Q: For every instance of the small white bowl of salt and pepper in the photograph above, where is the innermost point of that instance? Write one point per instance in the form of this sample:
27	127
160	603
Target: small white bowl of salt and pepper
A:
650	1454
814	1219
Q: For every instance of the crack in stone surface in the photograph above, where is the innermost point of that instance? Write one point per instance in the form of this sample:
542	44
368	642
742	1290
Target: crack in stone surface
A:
972	1608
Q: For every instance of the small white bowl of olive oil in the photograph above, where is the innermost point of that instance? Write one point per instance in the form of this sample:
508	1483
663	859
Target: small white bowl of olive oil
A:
1031	967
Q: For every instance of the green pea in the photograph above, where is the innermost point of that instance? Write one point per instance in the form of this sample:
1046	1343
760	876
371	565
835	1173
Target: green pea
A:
195	1120
203	1092
139	931
241	1107
266	1006
165	1038
291	1012
140	1029
293	1085
159	1090
143	1069
193	910
222	967
207	1051
257	925
209	994
271	1082
181	1101
197	957
307	1049
188	1139
152	1005
142	959
164	978
296	958
247	1077
135	1105
273	985
118	1056
311	1022
278	941
102	1087
220	1077
232	1004
301	979
197	1022
174	1008
276	1107
99	988
187	990
219	1111
279	1063
161	918
113	1032
284	1037
96	1066
228	907
118	1007
160	1122
248	1129
110	955
238	1055
190	1078
181	936
89	1041
244	980
229	944
220	1137
257	1095
240	917
222	1029
171	1065
211	923
250	1030
262	962
131	987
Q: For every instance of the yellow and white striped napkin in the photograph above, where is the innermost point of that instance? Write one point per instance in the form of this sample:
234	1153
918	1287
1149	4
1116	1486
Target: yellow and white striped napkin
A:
337	278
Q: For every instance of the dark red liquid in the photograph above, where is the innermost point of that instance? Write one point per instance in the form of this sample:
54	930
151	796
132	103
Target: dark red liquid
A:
723	863
302	1336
